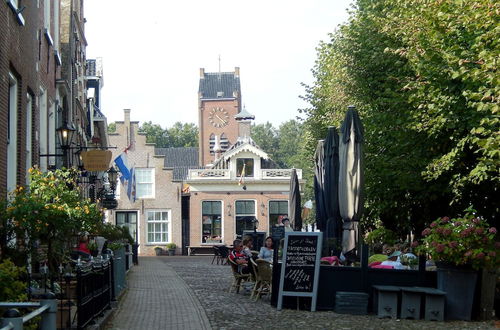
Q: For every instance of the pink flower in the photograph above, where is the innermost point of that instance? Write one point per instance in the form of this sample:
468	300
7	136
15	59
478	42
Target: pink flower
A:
476	220
434	224
434	243
453	244
445	219
446	231
480	255
493	230
414	244
468	253
440	248
426	231
479	231
457	223
492	253
464	233
439	230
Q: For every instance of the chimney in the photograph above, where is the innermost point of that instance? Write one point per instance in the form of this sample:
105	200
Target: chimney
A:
126	112
202	73
237	72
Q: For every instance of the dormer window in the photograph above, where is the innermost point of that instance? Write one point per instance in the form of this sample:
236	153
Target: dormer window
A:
247	165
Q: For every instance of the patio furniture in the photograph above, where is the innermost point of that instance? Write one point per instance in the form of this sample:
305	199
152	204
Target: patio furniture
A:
386	300
237	277
216	254
223	254
263	278
355	303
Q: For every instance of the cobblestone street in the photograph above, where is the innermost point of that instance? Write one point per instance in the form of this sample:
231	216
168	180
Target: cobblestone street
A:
207	288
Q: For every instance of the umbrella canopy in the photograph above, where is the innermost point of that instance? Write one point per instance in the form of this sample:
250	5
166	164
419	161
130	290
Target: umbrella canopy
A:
319	174
351	178
295	202
331	184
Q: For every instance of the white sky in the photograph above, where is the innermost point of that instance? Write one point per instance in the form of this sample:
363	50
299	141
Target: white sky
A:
152	51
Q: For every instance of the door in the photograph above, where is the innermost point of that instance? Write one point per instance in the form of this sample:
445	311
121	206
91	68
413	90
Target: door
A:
129	220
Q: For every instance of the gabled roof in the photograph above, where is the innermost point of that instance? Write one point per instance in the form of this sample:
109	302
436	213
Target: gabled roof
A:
213	83
245	144
180	160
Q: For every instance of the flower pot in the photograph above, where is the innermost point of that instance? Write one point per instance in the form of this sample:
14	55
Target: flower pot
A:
158	252
459	283
171	252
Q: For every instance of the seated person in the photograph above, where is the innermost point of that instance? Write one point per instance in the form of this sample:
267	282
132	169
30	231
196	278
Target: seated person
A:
247	246
239	258
393	261
266	252
286	223
378	254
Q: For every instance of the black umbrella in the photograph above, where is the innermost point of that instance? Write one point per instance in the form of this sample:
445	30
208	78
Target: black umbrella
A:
331	184
319	182
295	202
351	179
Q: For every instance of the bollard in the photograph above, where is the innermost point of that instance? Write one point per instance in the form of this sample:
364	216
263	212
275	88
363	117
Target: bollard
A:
12	316
49	317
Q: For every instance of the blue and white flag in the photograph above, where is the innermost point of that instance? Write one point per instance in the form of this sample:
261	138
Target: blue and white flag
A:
122	164
131	189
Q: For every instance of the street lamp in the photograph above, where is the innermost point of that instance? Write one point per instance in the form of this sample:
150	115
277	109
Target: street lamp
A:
65	135
112	176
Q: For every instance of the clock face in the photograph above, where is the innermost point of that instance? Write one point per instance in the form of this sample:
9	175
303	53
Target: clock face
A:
218	117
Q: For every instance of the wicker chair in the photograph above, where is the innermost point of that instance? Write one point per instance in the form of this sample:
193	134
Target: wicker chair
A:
237	277
263	274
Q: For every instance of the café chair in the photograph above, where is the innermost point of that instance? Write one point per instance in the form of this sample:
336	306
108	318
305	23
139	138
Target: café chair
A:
216	254
237	277
263	278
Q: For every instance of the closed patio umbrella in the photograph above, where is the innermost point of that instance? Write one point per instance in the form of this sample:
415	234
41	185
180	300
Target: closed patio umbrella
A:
331	184
351	179
295	202
319	173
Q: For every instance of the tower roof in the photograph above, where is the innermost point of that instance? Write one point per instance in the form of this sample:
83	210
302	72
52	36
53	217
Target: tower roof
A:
219	85
244	114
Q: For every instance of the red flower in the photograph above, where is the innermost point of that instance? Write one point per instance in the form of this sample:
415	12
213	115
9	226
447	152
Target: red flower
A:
480	255
468	253
492	253
445	219
479	231
476	220
434	224
426	231
414	244
440	248
453	244
493	230
446	231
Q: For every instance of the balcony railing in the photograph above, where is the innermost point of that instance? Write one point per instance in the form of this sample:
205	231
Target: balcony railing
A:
225	174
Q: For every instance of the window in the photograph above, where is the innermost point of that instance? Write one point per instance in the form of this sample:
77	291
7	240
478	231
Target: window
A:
246	163
12	134
211	218
158	222
211	143
245	214
129	220
29	139
145	182
43	129
17	9
277	211
224	142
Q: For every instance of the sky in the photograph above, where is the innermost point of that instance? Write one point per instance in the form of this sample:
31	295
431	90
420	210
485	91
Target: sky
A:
152	52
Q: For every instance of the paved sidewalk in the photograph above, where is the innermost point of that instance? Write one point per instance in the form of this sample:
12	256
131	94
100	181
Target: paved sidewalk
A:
157	298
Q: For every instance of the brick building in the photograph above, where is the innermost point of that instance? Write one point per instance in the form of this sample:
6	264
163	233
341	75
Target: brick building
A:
154	219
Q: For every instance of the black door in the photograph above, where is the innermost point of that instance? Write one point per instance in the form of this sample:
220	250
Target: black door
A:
185	224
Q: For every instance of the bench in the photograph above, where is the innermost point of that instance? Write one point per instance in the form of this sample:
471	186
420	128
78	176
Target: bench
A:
387	299
207	250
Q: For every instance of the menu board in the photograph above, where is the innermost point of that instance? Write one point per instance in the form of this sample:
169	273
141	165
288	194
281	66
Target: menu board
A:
300	266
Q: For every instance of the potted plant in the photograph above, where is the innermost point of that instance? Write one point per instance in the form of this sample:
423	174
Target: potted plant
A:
158	250
171	248
460	246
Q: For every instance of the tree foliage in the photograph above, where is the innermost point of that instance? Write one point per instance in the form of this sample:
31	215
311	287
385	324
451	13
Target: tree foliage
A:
423	75
179	135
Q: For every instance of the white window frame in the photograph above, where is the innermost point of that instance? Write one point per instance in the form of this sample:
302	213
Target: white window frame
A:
244	214
29	134
12	134
43	129
137	182
161	221
221	220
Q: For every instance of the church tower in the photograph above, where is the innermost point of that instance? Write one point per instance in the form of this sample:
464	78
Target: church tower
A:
219	101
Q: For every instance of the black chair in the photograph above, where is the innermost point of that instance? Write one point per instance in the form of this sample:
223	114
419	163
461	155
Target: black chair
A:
216	255
223	254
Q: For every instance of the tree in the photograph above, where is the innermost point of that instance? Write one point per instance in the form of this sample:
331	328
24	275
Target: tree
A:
289	144
266	137
155	134
183	135
112	128
422	74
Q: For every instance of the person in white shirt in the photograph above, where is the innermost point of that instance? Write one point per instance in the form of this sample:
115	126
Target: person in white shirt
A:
286	223
393	261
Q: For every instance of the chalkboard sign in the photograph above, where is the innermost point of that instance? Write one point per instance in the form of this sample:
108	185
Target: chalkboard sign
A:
300	266
277	233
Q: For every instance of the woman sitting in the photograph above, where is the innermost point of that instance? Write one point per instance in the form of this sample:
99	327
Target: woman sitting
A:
266	252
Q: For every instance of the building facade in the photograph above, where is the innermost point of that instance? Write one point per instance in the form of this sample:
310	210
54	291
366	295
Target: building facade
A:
154	218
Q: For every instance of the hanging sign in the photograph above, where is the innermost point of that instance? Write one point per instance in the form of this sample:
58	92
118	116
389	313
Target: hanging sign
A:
96	160
300	266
